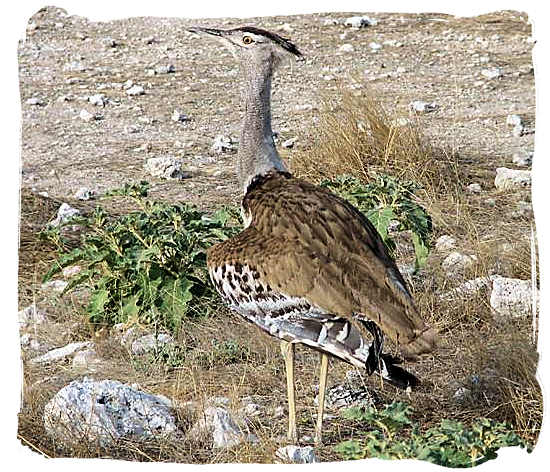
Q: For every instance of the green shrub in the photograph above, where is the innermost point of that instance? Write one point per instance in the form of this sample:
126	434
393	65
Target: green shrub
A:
450	444
148	265
387	199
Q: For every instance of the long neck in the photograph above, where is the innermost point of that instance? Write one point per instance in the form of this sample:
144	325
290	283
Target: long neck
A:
257	152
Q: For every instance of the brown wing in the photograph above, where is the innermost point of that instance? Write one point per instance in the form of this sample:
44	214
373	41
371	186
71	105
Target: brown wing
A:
306	242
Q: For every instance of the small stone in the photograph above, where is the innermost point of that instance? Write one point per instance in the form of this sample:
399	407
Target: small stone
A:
218	425
166	167
511	298
418	106
278	412
222	144
462	394
346	48
513	120
512	179
286	28
64	214
375	46
493	73
109	43
84	193
524	210
473	188
179	117
71	271
330	22
169	69
518	131
60	352
305	107
296	454
456	262
524	158
360	21
86	115
468	288
289	143
135	90
31	315
86	360
98	100
34	101
55	285
445	243
150	343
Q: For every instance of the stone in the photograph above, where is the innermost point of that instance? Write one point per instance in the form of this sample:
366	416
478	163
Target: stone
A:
514	120
60	352
512	179
445	243
375	46
169	69
511	298
518	131
31	315
179	117
360	21
150	343
35	101
352	392
71	271
418	106
524	158
222	144
85	115
462	394
64	214
30	343
473	188
219	427
135	90
166	167
98	100
346	48
492	73
105	411
523	210
84	193
456	262
289	143
54	285
296	454
468	288
86	359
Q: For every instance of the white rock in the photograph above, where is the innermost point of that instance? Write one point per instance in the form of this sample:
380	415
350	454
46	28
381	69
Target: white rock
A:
330	22
286	27
511	298
493	73
166	167
85	115
297	454
304	107
445	243
126	85
71	271
84	193
103	412
179	117
150	342
31	315
289	143
60	352
418	106
473	188
524	159
222	144
135	90
468	288
86	360
518	131
279	412
219	427
375	46
169	69
55	285
98	100
514	120
346	48
510	179
360	21
29	343
34	101
462	394
64	214
457	262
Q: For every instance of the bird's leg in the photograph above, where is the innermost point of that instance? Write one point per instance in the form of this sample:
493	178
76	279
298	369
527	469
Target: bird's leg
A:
322	389
287	350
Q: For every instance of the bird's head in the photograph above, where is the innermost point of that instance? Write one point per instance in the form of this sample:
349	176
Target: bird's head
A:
252	45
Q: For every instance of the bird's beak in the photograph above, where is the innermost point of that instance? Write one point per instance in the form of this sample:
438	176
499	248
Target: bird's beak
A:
210	31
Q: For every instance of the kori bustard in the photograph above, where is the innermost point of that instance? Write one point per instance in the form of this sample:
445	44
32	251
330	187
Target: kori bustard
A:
308	267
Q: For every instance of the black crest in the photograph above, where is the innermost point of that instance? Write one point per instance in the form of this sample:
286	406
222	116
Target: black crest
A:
283	42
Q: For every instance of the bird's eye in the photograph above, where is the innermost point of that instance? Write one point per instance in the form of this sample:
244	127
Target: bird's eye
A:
247	40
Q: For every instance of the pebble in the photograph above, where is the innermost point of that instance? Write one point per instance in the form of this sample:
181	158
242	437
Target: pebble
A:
456	262
512	179
169	69
511	298
135	90
220	428
222	144
445	243
524	158
518	131
61	352
84	193
98	100
419	106
346	48
179	117
166	167
473	188
360	21
34	101
289	143
31	315
514	120
150	343
85	115
64	213
493	73
297	454
375	46
86	359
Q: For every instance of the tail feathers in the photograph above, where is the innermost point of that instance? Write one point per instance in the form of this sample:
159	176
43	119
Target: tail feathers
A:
396	375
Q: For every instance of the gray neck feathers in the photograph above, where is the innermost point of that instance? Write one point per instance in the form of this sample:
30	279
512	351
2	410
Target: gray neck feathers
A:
257	152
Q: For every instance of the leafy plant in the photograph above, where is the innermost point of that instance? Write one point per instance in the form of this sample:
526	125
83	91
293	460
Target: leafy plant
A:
224	353
384	200
148	265
450	444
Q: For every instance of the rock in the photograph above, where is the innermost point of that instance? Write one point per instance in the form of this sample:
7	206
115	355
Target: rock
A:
222	144
286	27
29	343
350	393
445	243
86	360
375	46
518	131
297	454
514	120
511	298
473	188
150	342
289	143
330	22
179	117
524	210
166	167
84	193
34	101
304	107
493	73
251	409
524	158
98	100
103	412
54	285
169	69
64	214
456	262
220	428
109	43
60	352
31	315
511	179
468	288
462	394
360	21
346	48
71	271
85	115
418	106
135	90
279	412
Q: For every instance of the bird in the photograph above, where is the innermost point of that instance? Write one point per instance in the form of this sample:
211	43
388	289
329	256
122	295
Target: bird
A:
308	267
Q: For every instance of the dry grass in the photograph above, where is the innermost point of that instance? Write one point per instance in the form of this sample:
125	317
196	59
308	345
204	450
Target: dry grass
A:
501	355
